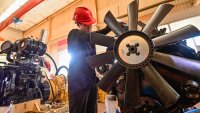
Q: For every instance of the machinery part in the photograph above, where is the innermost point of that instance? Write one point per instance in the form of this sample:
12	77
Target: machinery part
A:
191	110
183	64
22	79
23	48
158	16
46	88
147	105
133	15
180	34
28	46
148	46
132	75
59	89
111	77
191	89
100	59
102	69
102	40
52	93
127	54
133	49
43	35
150	105
162	88
25	45
6	45
113	24
21	82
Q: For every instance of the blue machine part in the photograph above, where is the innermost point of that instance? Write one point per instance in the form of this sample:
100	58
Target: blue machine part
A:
149	91
194	111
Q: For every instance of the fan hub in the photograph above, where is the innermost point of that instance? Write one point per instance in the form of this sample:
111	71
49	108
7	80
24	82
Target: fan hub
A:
133	49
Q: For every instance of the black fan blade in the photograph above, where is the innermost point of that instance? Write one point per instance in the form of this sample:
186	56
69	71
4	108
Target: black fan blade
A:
158	16
133	15
166	93
189	66
102	40
113	24
132	94
111	77
178	35
100	59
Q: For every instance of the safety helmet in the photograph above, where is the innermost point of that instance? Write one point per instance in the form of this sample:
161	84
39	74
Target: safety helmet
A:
84	16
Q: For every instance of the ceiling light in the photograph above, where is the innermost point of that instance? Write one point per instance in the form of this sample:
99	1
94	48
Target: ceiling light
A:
13	7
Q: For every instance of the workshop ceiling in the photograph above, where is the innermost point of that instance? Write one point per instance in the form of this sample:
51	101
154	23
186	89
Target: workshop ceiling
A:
37	14
49	7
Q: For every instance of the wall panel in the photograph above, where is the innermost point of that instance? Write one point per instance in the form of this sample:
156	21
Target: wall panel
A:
11	34
59	25
36	32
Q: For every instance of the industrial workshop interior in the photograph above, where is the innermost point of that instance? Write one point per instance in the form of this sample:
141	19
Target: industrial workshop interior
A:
99	56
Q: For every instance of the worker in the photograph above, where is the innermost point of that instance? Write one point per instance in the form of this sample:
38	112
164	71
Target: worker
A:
82	79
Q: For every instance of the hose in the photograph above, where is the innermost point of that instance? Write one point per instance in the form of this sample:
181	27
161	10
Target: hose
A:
65	67
52	61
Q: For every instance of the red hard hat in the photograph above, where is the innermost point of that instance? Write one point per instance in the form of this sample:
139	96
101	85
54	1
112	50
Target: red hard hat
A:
84	16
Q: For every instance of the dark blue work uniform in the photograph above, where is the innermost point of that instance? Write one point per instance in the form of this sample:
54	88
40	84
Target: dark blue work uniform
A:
82	88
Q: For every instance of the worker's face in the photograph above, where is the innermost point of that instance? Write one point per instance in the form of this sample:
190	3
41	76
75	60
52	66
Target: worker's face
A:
85	28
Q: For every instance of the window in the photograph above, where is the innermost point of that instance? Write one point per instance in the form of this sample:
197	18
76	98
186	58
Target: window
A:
64	59
193	42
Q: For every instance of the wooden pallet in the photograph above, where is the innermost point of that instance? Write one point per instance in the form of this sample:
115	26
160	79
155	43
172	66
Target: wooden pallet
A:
29	106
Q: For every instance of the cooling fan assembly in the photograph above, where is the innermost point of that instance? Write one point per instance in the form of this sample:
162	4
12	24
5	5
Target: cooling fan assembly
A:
134	51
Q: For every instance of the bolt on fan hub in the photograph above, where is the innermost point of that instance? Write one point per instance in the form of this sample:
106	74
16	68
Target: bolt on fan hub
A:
133	49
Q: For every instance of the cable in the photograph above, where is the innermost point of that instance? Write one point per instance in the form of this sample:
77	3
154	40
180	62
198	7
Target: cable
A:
52	61
65	67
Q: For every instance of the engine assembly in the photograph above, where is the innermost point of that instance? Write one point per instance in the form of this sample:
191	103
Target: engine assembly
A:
23	78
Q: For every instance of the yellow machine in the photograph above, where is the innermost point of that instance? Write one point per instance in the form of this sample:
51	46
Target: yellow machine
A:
59	89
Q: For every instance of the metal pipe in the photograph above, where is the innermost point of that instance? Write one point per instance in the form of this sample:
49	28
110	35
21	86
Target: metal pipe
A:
148	7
